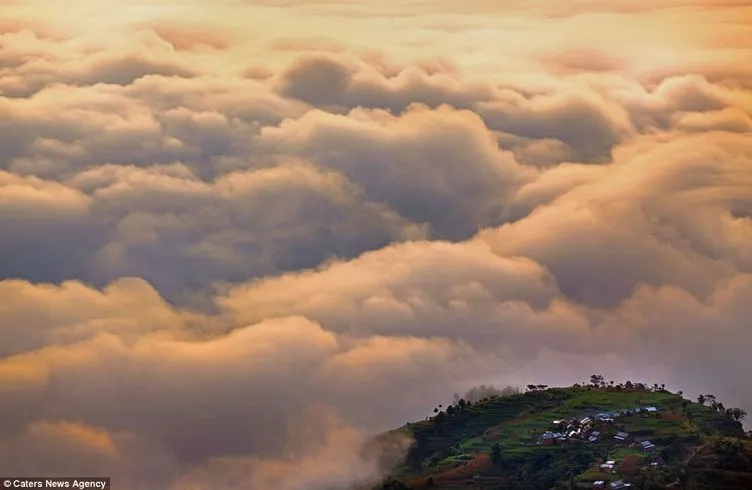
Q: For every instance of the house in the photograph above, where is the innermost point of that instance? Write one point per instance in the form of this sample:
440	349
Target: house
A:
619	484
547	439
651	409
595	433
654	458
599	484
647	445
621	436
586	421
608	468
592	438
611	461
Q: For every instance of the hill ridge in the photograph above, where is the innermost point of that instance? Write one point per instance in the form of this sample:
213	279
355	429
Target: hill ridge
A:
588	435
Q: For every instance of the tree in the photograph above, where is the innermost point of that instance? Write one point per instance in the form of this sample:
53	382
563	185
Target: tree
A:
701	399
450	410
462	403
738	414
392	484
628	385
439	420
496	456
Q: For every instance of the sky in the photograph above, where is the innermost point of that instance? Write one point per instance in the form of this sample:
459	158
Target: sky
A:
240	237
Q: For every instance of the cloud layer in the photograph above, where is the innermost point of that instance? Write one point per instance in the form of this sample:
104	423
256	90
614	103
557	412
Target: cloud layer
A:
229	256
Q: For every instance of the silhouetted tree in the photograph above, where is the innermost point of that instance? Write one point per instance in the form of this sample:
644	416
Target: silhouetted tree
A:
701	399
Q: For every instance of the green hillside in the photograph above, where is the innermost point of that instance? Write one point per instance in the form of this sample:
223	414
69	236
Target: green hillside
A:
513	442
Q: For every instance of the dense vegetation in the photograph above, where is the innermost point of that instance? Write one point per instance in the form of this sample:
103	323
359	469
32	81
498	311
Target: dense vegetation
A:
498	441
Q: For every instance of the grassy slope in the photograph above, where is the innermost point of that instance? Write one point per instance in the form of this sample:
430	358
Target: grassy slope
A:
460	450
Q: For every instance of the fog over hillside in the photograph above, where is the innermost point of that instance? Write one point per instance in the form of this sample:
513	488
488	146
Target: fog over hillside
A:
239	237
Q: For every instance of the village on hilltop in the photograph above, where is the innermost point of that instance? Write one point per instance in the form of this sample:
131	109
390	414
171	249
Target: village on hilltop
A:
583	430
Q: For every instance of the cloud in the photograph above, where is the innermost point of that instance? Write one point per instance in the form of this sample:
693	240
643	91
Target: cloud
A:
584	121
424	164
327	80
185	38
245	224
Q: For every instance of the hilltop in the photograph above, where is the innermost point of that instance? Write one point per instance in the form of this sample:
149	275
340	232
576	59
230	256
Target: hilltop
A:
589	435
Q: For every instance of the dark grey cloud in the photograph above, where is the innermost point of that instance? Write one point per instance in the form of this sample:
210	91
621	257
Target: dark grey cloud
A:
440	167
181	233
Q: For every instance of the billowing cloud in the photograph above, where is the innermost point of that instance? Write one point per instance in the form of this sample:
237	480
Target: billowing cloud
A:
210	224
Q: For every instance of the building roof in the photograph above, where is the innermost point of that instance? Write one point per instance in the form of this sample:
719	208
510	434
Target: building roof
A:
620	484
